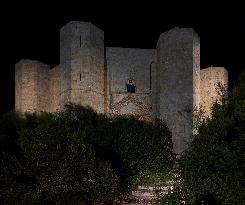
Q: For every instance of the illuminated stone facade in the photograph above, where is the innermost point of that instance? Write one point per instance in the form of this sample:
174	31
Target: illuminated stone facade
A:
165	82
213	81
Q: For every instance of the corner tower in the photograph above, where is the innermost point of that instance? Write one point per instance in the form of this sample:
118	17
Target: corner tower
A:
214	80
31	86
178	73
82	65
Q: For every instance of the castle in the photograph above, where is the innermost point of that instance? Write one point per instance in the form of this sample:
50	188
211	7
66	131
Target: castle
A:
164	83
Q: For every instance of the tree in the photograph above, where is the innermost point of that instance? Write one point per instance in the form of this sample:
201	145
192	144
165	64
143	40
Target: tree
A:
214	166
77	156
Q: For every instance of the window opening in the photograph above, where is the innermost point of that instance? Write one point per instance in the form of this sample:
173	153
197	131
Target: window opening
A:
130	86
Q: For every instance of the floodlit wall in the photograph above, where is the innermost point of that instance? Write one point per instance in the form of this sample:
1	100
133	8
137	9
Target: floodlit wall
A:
124	64
31	86
167	82
178	70
82	65
213	80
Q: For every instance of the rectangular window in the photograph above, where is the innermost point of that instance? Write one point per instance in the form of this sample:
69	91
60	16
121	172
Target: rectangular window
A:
130	88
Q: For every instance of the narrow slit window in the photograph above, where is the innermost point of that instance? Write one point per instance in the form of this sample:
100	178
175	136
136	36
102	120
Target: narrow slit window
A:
80	41
80	77
150	77
151	74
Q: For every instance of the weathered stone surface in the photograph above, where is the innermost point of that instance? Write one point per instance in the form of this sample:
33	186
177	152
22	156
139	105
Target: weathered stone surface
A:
166	79
55	89
124	64
178	68
31	86
213	80
82	64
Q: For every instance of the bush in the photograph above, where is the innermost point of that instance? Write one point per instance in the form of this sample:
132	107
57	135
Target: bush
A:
213	169
57	166
77	156
142	147
131	146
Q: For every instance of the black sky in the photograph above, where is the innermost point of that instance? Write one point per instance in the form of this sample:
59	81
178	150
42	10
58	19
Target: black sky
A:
32	31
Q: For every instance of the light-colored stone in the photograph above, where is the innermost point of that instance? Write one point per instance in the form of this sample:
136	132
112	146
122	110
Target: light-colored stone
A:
213	80
168	82
179	69
31	86
124	64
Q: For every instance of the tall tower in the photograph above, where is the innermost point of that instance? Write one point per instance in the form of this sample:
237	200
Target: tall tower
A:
82	65
178	71
213	80
31	86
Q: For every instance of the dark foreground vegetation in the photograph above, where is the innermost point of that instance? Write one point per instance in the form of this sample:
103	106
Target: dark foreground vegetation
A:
80	157
212	171
77	156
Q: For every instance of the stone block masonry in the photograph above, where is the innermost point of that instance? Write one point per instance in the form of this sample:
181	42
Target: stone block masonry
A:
31	86
179	70
55	89
82	64
126	64
213	80
165	82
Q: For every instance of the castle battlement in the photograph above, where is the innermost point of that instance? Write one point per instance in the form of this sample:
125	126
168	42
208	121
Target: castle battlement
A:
164	83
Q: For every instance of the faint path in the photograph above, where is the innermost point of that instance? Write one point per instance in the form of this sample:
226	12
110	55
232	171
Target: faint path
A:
148	194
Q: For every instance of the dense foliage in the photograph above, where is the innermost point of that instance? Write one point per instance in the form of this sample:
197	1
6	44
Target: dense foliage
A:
212	171
77	156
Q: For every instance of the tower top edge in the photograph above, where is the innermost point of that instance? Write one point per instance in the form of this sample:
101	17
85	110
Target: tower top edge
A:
30	61
73	24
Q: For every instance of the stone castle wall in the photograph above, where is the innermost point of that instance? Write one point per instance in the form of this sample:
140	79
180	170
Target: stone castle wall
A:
82	78
55	89
124	64
212	79
31	86
43	91
65	64
168	81
178	65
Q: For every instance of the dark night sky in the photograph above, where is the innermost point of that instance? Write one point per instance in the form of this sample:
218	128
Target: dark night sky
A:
33	32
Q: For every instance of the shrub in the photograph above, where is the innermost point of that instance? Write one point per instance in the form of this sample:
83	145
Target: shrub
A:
131	146
213	169
57	166
77	156
142	147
